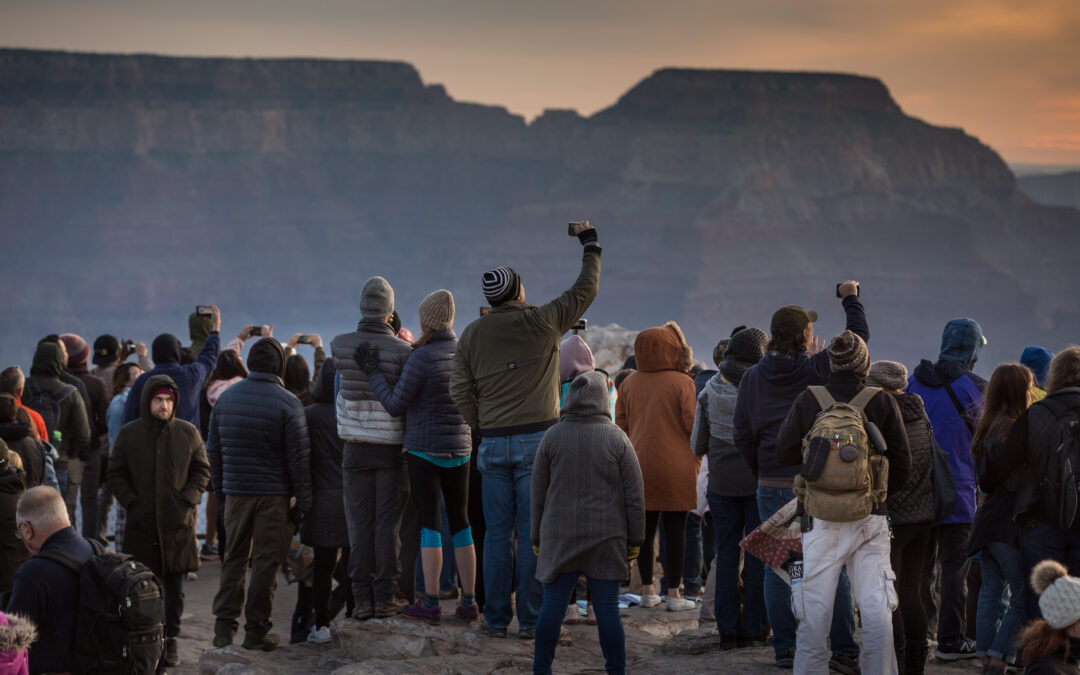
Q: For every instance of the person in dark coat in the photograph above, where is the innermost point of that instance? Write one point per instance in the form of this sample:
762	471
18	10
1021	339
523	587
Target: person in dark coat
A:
18	434
168	360
324	527
259	455
12	550
158	472
97	403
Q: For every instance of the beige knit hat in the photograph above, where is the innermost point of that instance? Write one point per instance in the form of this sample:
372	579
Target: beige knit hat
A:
437	310
1059	594
889	375
847	352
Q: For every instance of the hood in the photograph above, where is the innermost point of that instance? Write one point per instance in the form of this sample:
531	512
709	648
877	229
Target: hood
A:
323	390
267	356
297	378
938	374
48	360
782	370
658	348
165	349
911	406
154	383
1038	359
199	328
962	341
716	386
13	432
16	633
588	397
575	358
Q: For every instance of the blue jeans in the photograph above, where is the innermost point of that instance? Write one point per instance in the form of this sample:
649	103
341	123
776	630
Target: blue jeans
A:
1001	613
605	599
1045	542
506	464
692	559
732	519
778	593
62	479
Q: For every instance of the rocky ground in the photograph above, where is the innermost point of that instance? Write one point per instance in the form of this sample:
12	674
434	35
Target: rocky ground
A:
656	642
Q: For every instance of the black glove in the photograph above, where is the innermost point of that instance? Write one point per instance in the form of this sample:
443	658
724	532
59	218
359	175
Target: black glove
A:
588	237
367	358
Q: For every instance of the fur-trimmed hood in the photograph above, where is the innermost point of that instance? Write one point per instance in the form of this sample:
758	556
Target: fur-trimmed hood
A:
16	633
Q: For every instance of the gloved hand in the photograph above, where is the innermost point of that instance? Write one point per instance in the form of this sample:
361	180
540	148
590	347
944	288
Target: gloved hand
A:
367	358
588	236
632	552
536	549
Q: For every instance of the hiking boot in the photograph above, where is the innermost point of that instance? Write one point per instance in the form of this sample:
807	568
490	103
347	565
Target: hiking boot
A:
267	643
363	611
222	641
648	601
398	599
786	659
467	613
487	630
527	633
208	552
172	654
319	636
385	609
955	650
573	617
421	612
848	665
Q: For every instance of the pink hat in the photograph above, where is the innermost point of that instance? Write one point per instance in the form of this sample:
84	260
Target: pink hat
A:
575	358
16	636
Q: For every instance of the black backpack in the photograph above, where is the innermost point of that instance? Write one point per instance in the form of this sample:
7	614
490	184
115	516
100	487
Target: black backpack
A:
46	404
119	626
1061	482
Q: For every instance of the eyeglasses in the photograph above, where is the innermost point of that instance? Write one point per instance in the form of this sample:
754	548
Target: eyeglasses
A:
18	529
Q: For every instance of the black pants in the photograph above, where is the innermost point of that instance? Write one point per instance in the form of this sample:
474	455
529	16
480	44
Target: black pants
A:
430	484
88	493
376	490
173	586
325	569
674	546
910	549
952	552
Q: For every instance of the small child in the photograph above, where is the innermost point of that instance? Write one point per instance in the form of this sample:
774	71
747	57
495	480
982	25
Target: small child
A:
16	636
1052	644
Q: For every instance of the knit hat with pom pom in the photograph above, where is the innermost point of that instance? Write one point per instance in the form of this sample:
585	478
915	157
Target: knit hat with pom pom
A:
1059	594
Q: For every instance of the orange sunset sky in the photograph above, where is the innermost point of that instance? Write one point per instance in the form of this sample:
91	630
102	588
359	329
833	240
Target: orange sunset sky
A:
1007	71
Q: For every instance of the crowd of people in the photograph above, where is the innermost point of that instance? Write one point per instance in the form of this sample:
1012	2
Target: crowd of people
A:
501	467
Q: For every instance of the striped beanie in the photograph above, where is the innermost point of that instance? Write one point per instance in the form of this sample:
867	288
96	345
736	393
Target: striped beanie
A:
847	352
501	284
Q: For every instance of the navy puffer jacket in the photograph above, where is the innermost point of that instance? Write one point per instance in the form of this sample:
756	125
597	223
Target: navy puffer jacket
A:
432	422
258	441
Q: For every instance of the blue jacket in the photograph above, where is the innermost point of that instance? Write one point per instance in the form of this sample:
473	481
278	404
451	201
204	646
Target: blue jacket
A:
767	391
950	430
422	393
258	442
190	378
47	593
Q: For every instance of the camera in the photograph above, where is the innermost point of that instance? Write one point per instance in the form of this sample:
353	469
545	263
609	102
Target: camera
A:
303	340
256	331
204	310
128	345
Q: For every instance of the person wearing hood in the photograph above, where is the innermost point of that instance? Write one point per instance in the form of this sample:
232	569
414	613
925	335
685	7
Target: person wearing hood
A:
97	403
374	476
298	379
1037	359
588	516
16	635
123	378
72	421
259	454
793	360
861	545
731	494
189	378
158	472
911	510
1022	462
200	327
12	551
953	396
656	410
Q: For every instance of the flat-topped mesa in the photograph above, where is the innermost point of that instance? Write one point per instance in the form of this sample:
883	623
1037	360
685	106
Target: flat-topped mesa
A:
676	95
73	79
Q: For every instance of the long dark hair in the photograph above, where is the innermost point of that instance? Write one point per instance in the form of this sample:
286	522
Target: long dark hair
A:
1008	395
228	366
121	376
297	376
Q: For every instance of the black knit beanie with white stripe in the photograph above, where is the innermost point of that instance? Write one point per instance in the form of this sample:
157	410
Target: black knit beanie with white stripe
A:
501	284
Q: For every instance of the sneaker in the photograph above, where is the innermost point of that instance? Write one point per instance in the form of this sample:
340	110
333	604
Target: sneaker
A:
487	630
191	576
648	601
172	656
679	604
208	552
955	650
573	617
398	599
590	615
527	633
786	659
363	611
848	665
467	613
222	641
319	636
421	612
385	610
267	643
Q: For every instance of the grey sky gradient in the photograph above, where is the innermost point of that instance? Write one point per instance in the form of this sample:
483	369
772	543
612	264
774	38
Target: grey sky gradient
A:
1005	71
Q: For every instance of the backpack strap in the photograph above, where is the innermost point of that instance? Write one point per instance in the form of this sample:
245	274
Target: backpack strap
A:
863	397
62	393
968	422
822	395
66	559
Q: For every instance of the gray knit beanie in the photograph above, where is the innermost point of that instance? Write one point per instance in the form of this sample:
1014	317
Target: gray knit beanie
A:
743	351
847	352
889	375
437	310
1059	594
376	299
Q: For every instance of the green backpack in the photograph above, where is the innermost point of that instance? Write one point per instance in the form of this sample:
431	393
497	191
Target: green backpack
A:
843	477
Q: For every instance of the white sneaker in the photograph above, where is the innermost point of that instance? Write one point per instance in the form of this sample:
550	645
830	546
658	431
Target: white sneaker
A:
572	616
319	636
679	604
650	601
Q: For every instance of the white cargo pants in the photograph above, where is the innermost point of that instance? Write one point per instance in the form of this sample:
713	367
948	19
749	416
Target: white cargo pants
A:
863	546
